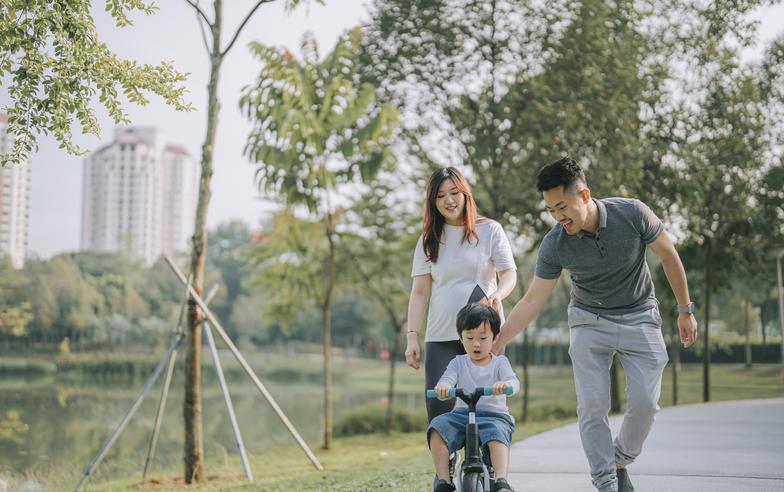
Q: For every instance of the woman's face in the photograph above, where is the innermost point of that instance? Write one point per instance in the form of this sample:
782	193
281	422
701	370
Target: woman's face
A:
450	203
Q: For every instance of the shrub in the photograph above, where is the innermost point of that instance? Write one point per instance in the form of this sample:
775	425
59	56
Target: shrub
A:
372	419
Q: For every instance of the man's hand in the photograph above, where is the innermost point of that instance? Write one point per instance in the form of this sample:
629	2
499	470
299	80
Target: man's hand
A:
499	386
442	392
687	326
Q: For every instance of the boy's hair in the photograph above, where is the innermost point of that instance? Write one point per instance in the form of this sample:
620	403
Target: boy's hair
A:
564	172
474	314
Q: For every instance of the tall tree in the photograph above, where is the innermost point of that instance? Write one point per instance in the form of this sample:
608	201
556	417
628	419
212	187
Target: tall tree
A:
57	67
384	233
717	173
212	35
315	127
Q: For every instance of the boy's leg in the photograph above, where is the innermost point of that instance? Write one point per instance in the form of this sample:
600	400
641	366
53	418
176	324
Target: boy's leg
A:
592	342
499	455
643	356
440	454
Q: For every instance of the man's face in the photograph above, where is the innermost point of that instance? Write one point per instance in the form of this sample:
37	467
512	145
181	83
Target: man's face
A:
569	207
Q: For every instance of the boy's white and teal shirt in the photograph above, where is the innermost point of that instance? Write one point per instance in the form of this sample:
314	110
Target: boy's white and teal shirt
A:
463	373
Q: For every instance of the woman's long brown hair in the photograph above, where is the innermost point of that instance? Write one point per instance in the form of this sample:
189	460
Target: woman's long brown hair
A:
433	224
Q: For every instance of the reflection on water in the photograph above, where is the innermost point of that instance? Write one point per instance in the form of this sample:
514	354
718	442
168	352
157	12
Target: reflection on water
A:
51	424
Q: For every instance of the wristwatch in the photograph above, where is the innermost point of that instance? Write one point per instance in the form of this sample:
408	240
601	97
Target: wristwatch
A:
688	308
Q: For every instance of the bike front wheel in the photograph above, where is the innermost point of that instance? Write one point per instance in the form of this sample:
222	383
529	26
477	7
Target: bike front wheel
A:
473	482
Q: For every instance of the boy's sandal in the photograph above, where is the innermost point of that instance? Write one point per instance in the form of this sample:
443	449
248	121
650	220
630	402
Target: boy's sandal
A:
501	485
443	486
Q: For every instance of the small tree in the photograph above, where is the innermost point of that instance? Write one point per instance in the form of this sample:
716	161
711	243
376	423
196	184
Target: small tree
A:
316	127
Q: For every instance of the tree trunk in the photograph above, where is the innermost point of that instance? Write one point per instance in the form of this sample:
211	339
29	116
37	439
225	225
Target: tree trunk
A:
747	330
391	390
326	318
525	375
705	339
194	446
615	398
676	360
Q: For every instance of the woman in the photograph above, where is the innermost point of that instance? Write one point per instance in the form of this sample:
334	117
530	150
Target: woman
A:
458	251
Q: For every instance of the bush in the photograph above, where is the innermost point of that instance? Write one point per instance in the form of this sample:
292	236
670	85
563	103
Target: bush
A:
25	367
542	411
370	420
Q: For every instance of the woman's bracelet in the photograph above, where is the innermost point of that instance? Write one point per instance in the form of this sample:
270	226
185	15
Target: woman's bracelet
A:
412	331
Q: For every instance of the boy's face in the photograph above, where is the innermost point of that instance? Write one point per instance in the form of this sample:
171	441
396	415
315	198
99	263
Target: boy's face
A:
478	342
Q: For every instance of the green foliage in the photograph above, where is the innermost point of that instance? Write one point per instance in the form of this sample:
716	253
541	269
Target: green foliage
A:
291	260
314	126
58	66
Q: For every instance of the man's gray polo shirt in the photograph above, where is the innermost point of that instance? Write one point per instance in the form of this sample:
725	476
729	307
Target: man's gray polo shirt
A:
608	269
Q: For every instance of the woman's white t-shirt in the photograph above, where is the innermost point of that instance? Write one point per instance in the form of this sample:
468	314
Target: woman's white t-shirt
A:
460	268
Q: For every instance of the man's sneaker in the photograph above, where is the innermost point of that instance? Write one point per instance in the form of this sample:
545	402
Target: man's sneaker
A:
624	484
442	486
501	485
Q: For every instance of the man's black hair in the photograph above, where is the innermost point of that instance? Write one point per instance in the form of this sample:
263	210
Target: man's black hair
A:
563	172
474	314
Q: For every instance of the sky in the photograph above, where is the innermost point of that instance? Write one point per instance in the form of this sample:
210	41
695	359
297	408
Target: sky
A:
172	34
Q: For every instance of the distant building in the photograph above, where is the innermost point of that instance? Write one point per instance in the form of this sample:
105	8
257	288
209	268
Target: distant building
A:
139	196
14	202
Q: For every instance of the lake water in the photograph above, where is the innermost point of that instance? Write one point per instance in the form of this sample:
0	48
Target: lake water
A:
52	426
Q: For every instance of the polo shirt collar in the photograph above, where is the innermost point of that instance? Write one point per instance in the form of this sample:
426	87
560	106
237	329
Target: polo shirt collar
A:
602	219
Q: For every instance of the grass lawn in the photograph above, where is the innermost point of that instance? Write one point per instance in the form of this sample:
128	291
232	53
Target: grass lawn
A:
401	462
397	462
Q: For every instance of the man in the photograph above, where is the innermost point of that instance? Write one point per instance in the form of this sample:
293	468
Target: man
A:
613	309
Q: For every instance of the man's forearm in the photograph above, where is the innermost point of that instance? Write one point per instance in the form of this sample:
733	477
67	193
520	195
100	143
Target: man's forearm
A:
519	319
676	276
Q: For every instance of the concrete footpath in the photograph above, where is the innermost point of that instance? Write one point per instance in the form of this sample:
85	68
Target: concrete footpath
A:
733	446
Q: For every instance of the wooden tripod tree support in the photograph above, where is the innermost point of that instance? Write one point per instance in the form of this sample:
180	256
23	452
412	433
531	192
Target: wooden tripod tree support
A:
245	366
168	361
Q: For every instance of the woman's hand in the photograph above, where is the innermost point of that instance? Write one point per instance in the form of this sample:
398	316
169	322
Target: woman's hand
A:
412	350
494	301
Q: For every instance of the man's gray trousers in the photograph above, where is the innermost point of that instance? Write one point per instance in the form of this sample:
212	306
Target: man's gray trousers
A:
638	341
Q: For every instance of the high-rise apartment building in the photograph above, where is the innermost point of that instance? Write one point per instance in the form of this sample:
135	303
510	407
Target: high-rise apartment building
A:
14	202
139	196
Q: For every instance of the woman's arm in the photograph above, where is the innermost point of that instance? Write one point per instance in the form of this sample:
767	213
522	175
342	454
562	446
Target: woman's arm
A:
506	284
417	302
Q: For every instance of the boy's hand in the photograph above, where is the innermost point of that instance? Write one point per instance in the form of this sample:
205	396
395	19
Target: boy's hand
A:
443	392
499	386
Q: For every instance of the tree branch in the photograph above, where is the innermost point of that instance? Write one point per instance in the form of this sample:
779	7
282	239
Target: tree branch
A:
203	34
242	25
199	11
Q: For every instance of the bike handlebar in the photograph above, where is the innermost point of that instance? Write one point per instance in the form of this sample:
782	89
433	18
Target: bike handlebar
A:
453	392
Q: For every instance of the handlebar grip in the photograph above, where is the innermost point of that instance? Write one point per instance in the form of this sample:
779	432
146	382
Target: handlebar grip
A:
453	392
508	390
432	393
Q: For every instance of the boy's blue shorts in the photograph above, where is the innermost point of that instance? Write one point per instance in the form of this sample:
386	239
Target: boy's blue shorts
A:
492	426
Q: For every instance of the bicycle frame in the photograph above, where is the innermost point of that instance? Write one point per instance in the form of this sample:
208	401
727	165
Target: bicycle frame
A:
472	464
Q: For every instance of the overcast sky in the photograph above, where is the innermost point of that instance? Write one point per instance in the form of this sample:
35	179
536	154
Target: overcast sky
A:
172	34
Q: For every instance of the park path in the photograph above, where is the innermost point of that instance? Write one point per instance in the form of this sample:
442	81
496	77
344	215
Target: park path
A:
735	446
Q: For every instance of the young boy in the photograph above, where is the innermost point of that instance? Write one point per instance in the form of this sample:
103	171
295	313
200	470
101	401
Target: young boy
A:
478	326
